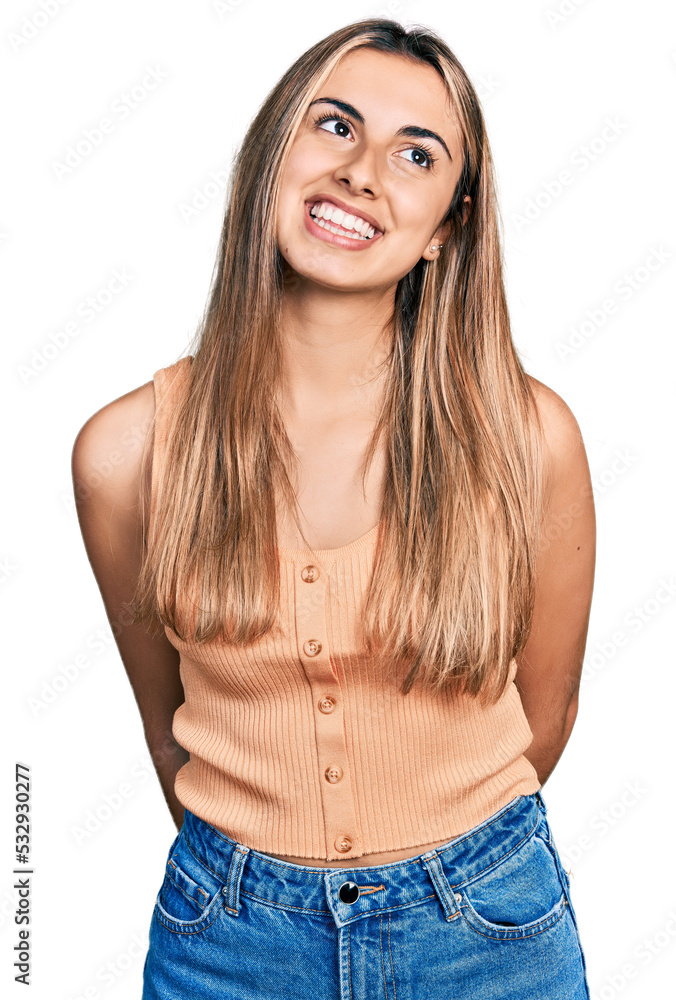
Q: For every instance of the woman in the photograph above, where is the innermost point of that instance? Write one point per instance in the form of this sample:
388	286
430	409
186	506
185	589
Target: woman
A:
376	678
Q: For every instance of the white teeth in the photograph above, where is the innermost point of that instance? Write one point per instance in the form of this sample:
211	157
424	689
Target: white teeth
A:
339	232
326	212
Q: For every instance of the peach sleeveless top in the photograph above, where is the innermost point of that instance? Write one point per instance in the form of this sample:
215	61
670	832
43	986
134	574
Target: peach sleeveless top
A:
300	744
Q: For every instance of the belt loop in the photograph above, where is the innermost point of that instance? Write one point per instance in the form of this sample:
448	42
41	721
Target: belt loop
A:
448	899
231	887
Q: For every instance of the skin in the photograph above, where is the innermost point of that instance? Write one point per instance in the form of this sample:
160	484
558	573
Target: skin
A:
338	304
549	667
338	307
334	333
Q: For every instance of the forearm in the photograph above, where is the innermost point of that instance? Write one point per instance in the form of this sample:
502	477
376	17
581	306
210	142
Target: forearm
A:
168	756
549	741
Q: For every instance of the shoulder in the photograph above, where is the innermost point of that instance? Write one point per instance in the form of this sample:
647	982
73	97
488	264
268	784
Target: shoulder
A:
557	418
111	452
108	450
566	467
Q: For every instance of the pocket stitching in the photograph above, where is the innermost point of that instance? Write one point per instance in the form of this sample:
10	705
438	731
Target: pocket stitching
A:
199	902
522	930
548	919
200	860
489	868
564	878
199	923
190	926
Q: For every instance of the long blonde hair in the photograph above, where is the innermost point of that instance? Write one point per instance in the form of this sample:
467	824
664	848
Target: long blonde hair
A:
452	588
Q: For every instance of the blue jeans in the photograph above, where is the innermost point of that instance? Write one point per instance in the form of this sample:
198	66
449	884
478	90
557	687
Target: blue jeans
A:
487	915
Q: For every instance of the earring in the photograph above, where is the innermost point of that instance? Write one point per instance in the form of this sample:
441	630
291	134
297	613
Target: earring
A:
437	247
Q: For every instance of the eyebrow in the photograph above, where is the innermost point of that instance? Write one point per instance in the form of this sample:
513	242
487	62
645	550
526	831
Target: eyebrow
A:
410	131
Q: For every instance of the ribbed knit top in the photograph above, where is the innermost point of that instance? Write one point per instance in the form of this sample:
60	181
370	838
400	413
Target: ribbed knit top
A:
300	744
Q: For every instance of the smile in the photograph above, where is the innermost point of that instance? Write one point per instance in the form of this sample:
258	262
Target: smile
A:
332	225
338	221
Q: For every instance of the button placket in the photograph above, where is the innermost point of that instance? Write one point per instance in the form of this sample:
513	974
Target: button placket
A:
312	633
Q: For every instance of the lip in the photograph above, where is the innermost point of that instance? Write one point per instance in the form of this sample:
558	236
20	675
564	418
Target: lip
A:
349	209
326	236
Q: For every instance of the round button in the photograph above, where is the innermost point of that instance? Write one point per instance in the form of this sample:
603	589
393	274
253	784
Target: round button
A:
333	773
327	704
311	647
343	844
458	897
349	892
309	574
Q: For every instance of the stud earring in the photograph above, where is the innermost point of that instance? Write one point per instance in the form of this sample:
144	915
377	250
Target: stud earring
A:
437	247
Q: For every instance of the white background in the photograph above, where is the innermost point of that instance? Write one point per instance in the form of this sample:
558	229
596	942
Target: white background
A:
552	76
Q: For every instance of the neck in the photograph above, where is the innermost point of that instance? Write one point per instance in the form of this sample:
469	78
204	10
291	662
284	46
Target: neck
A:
334	346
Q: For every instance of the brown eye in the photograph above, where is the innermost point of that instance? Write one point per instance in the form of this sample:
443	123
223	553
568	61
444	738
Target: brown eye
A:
328	117
427	153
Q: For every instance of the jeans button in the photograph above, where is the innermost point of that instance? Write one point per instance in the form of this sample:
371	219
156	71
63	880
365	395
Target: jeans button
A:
349	892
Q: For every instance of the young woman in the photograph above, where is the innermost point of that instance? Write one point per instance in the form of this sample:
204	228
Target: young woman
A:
367	536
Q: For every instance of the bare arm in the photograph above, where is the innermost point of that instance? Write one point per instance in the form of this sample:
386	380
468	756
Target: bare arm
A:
108	510
550	665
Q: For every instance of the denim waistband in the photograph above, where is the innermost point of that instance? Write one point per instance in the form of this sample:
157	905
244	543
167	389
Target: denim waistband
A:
350	894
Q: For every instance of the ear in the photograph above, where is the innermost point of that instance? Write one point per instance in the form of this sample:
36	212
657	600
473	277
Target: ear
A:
443	232
440	237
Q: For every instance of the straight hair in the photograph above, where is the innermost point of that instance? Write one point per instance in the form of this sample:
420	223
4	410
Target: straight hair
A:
450	598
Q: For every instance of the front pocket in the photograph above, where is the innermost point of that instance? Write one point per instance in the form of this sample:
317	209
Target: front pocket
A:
519	896
180	896
191	896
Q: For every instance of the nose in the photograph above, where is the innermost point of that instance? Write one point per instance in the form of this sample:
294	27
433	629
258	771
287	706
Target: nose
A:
360	172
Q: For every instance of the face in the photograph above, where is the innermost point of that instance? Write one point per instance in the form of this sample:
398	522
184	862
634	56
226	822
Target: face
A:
379	142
